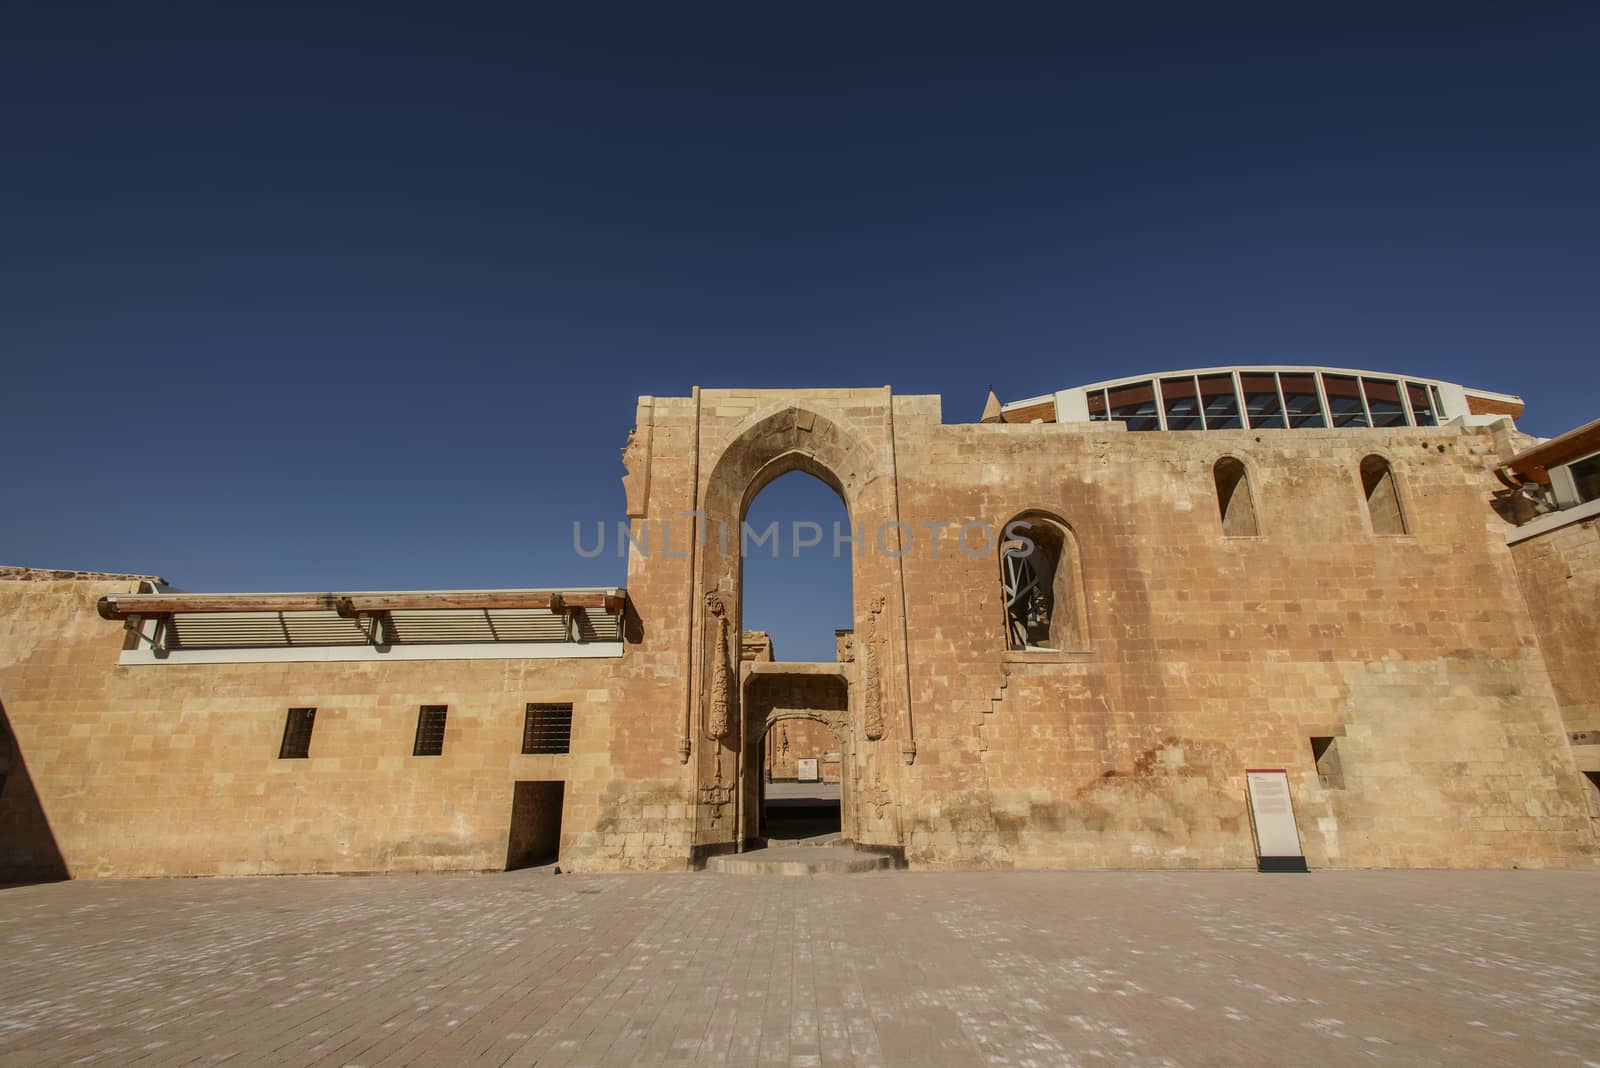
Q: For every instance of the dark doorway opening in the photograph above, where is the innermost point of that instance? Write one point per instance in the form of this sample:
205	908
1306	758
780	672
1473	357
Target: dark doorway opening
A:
797	799
535	824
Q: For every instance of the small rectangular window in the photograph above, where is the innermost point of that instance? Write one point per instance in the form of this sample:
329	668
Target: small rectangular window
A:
1135	405
1344	400
1261	401
430	731
1221	403
1182	404
1383	401
1586	477
296	743
1097	406
1421	404
547	729
1325	751
1303	406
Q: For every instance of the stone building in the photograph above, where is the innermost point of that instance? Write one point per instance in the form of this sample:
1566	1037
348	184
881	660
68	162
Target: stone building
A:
1076	624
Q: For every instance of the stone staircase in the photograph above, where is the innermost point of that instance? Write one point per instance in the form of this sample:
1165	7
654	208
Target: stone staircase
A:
823	855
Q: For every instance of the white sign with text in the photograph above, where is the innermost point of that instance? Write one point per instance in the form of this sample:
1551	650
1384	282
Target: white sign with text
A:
1272	812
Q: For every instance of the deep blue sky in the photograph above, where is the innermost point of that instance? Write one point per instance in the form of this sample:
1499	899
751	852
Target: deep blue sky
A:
333	297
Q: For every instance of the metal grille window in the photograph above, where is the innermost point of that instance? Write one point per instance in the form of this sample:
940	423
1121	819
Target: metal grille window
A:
430	731
547	729
296	743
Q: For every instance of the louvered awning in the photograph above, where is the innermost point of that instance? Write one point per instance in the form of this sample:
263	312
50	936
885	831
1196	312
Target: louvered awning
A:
194	621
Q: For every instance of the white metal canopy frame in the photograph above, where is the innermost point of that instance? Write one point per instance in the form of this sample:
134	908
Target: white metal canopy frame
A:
398	625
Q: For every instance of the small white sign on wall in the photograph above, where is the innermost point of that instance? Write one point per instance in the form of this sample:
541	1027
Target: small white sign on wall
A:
806	770
1272	820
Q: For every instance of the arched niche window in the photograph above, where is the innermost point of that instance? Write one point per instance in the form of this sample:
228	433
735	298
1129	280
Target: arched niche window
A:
1383	498
1234	499
1041	584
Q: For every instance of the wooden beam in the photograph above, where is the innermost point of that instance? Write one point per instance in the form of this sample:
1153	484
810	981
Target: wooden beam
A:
355	604
121	606
1534	463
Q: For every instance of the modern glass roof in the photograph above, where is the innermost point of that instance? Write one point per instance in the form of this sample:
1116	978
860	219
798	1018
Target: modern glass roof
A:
1263	398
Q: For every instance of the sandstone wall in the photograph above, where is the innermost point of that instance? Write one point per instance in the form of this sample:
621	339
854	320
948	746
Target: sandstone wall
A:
806	739
1208	654
1560	574
173	769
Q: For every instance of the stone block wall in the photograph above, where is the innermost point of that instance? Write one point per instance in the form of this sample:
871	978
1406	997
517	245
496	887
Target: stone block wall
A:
1207	654
174	769
792	740
1560	575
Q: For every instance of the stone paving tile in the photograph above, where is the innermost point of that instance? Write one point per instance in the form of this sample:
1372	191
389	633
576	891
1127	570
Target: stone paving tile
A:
995	968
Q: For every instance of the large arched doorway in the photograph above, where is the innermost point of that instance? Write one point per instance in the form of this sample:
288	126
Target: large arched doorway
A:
795	606
730	724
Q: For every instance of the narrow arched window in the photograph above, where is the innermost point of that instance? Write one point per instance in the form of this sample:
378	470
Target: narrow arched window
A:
1234	499
1383	499
1039	575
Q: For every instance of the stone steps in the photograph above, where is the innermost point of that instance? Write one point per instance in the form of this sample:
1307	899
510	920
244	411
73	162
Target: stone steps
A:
818	841
799	860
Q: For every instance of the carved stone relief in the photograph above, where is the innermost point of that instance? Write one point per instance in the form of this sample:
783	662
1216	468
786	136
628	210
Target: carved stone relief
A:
872	658
715	795
877	795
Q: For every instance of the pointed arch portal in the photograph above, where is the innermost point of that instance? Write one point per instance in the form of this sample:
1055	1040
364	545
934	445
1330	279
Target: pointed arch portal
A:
864	699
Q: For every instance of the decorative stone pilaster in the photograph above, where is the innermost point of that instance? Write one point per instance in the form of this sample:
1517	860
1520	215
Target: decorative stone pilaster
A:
719	687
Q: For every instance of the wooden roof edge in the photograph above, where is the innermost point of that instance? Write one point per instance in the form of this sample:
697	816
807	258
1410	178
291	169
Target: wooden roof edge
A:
1577	442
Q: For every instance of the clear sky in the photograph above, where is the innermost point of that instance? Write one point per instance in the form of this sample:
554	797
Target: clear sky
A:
340	297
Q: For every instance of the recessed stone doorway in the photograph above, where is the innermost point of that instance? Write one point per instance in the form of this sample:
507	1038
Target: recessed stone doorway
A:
798	764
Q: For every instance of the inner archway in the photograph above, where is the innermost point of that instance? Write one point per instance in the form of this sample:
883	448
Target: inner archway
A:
801	790
799	766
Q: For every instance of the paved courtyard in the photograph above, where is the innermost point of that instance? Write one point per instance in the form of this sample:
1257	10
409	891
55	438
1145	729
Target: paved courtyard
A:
895	968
